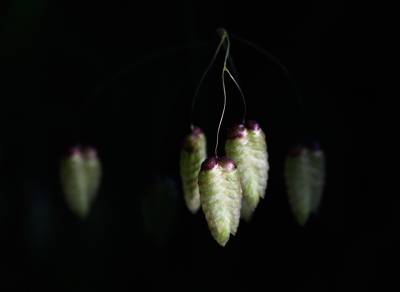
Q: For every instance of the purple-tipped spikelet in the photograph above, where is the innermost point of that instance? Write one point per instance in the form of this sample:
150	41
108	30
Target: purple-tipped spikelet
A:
305	176
80	173
246	145
193	153
220	196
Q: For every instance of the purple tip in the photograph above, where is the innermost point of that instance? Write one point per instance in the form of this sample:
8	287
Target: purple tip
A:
313	145
197	131
89	153
190	143
75	150
226	163
297	150
252	125
237	131
209	163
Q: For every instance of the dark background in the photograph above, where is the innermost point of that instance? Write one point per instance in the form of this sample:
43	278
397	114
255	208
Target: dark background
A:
121	77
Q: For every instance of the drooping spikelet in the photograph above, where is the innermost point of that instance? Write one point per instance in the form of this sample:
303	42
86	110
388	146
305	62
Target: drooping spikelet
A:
304	175
193	153
80	173
220	196
246	145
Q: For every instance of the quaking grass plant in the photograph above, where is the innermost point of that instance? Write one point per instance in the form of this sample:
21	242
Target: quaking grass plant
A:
80	174
226	187
193	153
305	178
219	182
225	181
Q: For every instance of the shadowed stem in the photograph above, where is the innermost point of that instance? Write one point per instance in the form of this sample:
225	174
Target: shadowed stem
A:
93	96
283	68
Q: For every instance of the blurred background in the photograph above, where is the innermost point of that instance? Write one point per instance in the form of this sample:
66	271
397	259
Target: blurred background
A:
120	76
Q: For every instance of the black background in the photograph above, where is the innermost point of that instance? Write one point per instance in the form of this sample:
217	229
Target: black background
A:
120	76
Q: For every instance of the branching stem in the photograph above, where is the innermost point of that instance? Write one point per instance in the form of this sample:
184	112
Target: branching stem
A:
285	71
224	35
201	81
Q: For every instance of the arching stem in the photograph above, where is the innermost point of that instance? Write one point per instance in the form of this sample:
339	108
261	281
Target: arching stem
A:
224	35
241	93
201	81
237	81
283	68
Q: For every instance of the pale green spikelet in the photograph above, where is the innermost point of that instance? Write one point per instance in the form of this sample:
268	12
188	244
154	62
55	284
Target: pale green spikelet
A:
73	182
220	196
246	145
80	173
304	175
193	153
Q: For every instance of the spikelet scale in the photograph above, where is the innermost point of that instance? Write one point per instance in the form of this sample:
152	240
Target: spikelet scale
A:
80	173
193	153
304	175
220	196
247	147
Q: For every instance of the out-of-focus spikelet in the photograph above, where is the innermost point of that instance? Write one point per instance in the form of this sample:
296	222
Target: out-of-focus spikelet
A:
246	145
193	153
80	173
304	175
220	196
246	213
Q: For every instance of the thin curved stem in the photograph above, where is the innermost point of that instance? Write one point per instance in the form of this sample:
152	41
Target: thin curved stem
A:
234	71
223	112
201	81
233	67
223	35
241	92
283	68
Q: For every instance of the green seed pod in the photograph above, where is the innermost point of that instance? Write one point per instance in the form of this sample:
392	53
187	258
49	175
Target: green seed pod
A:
220	196
193	153
80	173
246	145
304	175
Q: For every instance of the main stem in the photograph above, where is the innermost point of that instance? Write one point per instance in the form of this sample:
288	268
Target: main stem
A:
224	35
